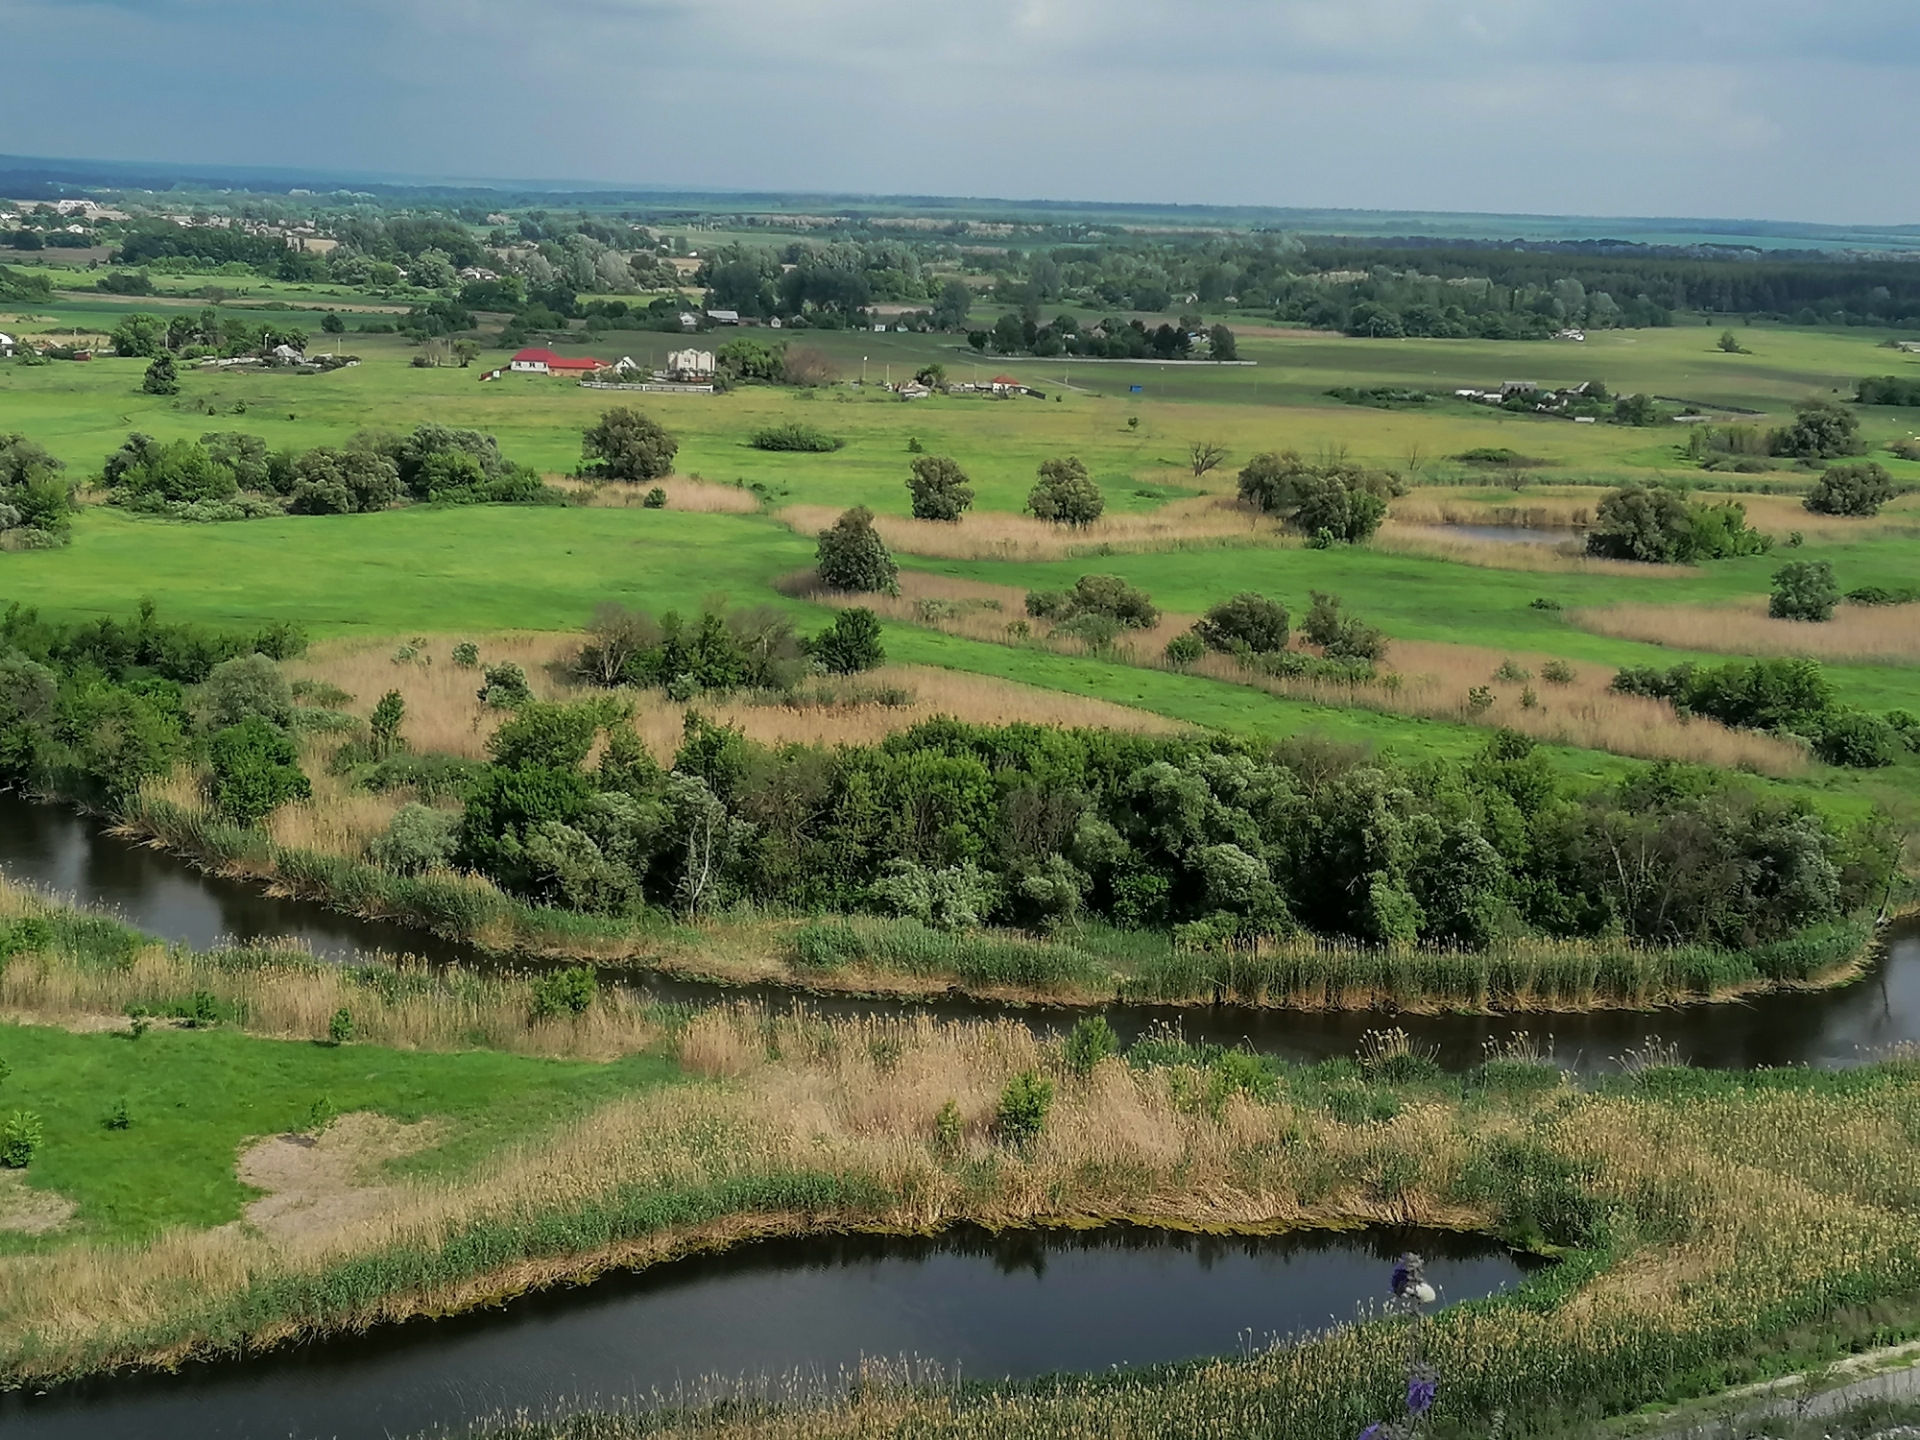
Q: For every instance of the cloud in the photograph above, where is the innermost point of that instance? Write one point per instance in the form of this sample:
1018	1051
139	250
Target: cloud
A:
1716	107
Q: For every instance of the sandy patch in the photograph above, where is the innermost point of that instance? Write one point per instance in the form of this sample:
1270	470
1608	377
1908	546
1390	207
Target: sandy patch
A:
26	1211
316	1186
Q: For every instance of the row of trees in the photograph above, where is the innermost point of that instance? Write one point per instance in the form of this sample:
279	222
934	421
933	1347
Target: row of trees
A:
1037	827
233	476
1110	339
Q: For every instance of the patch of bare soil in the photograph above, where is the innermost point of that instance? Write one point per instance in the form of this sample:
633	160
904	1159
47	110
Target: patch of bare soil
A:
318	1185
26	1211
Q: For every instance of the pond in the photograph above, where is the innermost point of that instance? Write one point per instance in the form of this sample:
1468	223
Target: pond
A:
786	1316
74	857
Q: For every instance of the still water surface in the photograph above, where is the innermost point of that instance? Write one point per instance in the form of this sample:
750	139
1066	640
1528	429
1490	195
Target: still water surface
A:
977	1305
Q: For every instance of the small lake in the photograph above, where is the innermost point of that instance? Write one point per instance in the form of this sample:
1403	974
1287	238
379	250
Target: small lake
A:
1503	534
780	1316
74	857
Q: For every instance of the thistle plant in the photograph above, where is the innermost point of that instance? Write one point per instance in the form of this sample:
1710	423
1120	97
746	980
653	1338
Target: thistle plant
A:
1412	1294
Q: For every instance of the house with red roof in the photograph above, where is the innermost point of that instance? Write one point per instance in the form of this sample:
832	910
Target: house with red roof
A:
545	362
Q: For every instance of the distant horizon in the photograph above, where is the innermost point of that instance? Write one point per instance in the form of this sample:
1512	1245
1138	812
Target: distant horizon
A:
1602	108
97	173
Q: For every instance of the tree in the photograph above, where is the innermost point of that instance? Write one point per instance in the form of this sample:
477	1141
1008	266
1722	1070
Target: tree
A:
1341	636
851	555
1066	494
384	725
161	377
1821	430
628	445
1107	596
1730	343
139	337
244	687
1222	344
950	309
255	771
1204	455
939	488
327	481
1249	621
1804	590
850	644
1637	410
332	323
1851	490
1636	523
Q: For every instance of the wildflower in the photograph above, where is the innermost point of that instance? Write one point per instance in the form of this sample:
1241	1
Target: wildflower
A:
1421	1388
1372	1432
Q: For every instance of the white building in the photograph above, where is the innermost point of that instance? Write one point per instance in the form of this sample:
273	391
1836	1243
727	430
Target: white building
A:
694	365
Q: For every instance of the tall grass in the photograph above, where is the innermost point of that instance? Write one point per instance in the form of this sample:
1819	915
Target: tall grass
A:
996	535
1862	634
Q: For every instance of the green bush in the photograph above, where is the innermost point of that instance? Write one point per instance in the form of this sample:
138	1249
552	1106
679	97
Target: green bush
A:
1089	1042
939	488
850	555
850	644
795	436
1341	636
1859	489
1022	1112
1249	621
1185	648
1558	672
255	771
1065	494
505	687
565	992
1107	596
20	1135
1804	590
340	1026
629	446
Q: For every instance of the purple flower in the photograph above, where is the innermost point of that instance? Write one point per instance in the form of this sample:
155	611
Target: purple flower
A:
1401	1275
1420	1392
1372	1432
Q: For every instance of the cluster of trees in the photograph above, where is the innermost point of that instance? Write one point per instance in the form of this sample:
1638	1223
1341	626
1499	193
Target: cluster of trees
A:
722	651
188	336
1888	390
1789	697
95	711
1110	339
232	476
1851	490
1331	500
1662	527
36	499
1037	827
827	285
753	361
627	445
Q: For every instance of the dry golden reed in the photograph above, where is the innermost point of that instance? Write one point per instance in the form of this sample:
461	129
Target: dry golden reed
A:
997	535
1861	634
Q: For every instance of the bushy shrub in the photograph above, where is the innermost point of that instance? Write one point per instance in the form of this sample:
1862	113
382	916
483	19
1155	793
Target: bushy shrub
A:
939	488
505	686
565	992
417	838
1337	499
959	897
1104	595
1065	494
1089	1042
795	436
1804	590
1659	526
1857	739
1022	1112
246	686
340	1026
1339	635
1185	648
850	555
1820	430
20	1135
1859	489
256	770
850	644
628	445
1249	621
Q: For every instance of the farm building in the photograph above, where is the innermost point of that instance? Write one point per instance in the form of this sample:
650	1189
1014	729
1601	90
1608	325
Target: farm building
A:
545	362
690	365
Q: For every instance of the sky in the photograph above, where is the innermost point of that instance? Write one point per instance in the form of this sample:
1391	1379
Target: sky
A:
1768	109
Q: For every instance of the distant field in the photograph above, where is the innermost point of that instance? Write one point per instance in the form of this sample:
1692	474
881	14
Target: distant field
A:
486	569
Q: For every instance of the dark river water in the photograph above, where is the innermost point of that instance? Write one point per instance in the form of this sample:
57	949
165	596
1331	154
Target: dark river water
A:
779	1316
70	856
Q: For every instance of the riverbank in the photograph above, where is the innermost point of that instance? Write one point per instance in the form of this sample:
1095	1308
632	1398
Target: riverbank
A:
863	956
1706	1221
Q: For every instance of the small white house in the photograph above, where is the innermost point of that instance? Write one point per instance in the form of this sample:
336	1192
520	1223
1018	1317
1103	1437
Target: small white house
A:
694	365
287	355
689	320
7	342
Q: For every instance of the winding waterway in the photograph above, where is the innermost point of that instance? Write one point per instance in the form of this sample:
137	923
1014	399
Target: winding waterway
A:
782	1316
74	857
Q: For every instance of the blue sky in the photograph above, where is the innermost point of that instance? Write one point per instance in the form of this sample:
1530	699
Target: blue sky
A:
1777	109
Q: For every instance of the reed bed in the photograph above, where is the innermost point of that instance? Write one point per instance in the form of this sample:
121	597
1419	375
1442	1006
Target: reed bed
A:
1861	634
1703	1217
997	535
1532	510
1436	680
703	497
96	972
1396	537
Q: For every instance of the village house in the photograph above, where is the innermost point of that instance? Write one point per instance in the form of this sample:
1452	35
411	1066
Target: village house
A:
545	362
690	366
